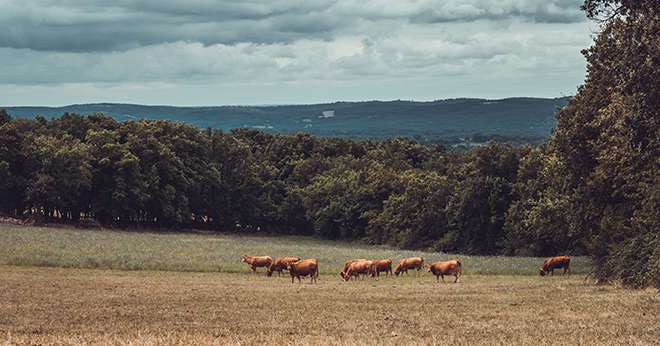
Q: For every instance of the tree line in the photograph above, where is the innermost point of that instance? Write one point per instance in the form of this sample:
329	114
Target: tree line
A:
593	188
165	174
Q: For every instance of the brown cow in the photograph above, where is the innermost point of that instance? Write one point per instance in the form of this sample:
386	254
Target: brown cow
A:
409	263
381	266
347	264
302	268
280	264
440	269
257	261
356	269
552	263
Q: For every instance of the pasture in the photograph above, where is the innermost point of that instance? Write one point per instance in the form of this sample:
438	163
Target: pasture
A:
192	289
185	252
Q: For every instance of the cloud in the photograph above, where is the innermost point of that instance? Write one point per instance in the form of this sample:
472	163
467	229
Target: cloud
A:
362	46
455	50
540	11
83	26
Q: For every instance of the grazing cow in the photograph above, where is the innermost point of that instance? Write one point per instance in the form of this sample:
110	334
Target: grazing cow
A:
280	264
257	261
356	269
440	269
302	268
409	263
348	263
381	266
552	263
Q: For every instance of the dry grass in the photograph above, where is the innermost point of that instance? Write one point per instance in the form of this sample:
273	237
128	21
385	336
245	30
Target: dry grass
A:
192	289
78	306
73	248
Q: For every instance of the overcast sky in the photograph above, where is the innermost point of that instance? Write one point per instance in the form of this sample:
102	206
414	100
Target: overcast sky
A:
204	52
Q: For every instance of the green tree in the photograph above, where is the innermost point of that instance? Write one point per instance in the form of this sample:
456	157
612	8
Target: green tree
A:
415	216
4	117
607	138
12	169
60	179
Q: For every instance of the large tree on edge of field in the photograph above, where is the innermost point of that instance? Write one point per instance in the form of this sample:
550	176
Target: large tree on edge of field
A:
608	139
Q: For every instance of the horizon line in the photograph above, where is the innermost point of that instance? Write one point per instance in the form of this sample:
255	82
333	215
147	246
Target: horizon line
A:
283	104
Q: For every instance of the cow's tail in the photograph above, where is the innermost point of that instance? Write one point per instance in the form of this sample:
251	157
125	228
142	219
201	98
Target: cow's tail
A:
460	268
316	273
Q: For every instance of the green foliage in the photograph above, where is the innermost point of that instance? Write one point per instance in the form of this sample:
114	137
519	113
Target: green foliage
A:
415	215
4	116
607	139
168	175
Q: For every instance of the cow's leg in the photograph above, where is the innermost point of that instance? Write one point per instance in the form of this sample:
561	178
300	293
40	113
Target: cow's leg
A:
437	278
443	278
552	272
456	275
254	269
291	278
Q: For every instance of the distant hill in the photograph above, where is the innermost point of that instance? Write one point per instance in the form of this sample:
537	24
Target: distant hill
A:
452	122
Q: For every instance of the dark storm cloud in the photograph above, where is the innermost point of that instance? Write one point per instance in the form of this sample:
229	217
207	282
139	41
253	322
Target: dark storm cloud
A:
539	11
87	26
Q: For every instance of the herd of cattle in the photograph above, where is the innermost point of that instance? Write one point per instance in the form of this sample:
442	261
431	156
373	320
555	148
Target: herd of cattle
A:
361	268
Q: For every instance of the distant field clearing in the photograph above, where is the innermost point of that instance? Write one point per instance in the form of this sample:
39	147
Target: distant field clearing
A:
36	246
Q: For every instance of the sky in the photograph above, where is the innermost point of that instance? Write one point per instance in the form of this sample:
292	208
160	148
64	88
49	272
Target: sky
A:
203	52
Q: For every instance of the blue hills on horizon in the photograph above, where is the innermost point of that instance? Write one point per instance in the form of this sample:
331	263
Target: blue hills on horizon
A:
456	122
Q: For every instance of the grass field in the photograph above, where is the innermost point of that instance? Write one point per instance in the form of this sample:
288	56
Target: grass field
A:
181	298
74	248
74	306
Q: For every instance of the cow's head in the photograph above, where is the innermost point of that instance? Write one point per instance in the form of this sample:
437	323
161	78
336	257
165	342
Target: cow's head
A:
289	266
269	270
244	258
428	267
542	271
342	274
397	270
345	276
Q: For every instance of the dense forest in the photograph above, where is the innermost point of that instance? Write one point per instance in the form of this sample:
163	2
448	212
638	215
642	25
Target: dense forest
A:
451	122
593	188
